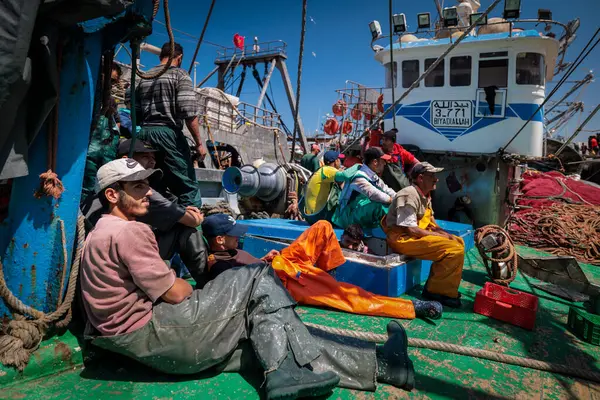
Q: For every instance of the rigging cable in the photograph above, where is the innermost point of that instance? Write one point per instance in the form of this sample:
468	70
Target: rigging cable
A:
300	57
212	5
572	68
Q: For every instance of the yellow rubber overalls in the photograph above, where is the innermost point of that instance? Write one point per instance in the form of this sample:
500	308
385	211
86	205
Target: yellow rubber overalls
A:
447	254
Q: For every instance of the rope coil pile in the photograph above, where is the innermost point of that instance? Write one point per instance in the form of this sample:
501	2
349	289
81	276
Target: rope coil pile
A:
504	252
22	336
560	229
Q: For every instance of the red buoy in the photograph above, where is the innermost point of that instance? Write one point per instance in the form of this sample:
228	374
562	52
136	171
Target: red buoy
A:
340	108
331	127
356	113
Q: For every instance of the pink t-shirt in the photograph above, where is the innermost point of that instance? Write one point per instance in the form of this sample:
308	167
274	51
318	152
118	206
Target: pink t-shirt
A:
122	275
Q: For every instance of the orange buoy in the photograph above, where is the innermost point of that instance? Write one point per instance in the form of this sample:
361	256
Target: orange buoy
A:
347	127
380	103
331	127
356	113
340	108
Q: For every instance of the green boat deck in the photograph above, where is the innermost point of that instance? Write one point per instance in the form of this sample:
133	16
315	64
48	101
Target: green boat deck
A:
56	371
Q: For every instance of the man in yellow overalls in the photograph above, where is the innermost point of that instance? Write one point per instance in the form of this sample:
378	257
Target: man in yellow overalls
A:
411	230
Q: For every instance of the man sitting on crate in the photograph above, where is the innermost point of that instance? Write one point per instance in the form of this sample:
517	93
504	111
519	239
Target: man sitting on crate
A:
303	268
411	230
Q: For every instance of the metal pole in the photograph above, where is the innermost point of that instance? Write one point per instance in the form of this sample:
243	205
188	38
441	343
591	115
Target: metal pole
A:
202	35
588	119
392	68
207	77
266	83
135	50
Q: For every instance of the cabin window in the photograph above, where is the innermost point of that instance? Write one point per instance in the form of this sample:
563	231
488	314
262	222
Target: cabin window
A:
410	72
531	69
389	69
493	73
460	71
436	77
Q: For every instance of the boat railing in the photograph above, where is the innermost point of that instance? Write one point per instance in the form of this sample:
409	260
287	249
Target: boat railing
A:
221	115
260	49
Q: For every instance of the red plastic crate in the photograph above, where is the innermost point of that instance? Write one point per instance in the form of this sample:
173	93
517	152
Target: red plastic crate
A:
507	305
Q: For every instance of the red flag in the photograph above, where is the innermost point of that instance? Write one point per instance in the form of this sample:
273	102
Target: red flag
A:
238	41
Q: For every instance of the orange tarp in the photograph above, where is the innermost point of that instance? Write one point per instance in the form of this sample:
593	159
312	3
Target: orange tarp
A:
303	266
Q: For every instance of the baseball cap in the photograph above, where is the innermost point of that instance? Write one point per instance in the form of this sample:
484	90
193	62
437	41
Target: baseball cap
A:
222	225
332	155
424	167
391	134
139	147
314	146
122	170
373	153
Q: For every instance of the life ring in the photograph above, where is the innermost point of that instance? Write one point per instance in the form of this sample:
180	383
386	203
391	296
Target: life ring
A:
380	103
331	127
347	127
356	113
339	108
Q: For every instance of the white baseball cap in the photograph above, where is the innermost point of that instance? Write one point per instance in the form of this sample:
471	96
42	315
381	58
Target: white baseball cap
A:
122	170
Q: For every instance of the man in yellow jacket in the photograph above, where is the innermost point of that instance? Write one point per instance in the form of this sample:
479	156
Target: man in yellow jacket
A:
411	230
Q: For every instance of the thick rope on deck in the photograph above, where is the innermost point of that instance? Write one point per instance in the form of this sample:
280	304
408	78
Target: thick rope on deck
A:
22	336
560	229
469	352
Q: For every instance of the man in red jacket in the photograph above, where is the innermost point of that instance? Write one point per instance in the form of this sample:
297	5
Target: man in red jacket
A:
395	173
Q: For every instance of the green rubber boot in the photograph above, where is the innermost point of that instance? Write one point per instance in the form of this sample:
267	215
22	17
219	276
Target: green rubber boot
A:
393	364
291	381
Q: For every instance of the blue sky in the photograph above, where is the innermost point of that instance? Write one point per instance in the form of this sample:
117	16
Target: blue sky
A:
339	38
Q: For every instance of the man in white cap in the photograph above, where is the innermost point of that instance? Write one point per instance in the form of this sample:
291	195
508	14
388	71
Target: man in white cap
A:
411	230
243	319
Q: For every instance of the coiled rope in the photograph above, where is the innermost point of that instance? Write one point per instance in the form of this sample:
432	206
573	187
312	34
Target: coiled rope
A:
560	229
171	42
469	352
504	252
23	336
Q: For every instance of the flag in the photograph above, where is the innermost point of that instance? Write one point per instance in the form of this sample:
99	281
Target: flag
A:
238	41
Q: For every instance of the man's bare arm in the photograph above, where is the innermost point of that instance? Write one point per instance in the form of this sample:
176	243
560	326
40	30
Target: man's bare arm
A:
180	291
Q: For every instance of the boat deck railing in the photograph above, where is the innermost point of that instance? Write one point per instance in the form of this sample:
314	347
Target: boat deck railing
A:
259	50
221	115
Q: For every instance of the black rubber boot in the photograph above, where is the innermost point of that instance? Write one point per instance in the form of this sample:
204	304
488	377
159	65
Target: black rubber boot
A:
445	300
393	365
291	381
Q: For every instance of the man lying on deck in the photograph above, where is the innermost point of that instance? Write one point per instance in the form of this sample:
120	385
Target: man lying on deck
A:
411	230
174	226
303	268
243	319
365	198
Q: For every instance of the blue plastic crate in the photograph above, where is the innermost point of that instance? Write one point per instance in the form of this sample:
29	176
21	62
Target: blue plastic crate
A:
391	280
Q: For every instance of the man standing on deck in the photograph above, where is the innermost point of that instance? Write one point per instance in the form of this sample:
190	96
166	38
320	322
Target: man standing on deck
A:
395	172
411	230
163	105
365	198
242	320
310	161
304	267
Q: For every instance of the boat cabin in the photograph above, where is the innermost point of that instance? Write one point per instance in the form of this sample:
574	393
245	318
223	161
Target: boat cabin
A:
477	98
